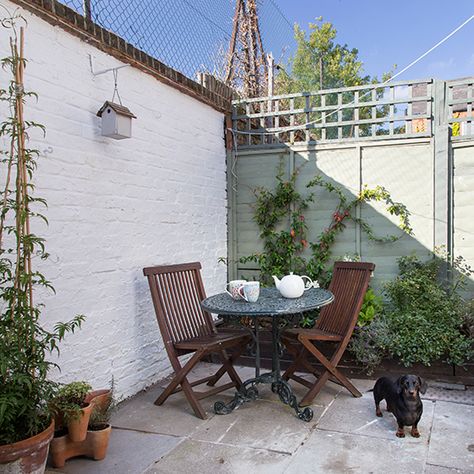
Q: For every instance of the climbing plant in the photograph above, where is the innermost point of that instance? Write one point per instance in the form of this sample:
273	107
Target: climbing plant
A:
279	214
25	344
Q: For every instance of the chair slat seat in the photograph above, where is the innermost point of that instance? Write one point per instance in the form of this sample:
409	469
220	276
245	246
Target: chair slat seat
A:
336	323
316	334
211	341
177	292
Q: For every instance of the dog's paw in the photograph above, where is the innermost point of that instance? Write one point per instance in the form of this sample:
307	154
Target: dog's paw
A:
400	434
415	433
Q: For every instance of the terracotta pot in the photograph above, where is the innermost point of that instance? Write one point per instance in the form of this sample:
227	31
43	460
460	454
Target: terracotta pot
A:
100	398
77	427
27	456
94	446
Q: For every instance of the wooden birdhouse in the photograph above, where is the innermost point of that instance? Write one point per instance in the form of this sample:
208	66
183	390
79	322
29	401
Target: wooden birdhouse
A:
116	120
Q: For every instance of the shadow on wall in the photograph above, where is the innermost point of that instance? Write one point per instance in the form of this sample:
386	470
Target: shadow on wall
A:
405	170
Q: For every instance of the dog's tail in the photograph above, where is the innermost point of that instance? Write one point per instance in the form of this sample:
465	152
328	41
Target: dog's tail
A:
371	390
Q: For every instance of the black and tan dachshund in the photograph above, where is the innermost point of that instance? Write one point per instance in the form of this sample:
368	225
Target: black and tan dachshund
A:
403	401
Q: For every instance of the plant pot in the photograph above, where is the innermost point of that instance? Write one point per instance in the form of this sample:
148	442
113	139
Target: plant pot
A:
100	398
27	456
77	427
94	446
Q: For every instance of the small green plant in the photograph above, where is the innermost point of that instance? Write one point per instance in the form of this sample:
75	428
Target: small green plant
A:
371	307
102	413
70	399
308	319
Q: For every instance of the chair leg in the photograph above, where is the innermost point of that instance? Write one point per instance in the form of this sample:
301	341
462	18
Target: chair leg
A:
193	401
315	389
180	379
227	364
295	364
331	369
222	370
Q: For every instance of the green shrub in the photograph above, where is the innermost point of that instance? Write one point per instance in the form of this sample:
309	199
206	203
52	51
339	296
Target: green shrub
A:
424	320
370	344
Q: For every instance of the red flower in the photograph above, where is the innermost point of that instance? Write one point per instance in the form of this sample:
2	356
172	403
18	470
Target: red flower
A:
302	218
292	233
305	244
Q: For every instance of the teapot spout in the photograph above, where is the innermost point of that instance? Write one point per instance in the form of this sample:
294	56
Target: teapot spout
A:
276	280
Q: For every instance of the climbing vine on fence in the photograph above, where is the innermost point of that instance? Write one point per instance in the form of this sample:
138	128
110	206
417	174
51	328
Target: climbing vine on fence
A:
279	214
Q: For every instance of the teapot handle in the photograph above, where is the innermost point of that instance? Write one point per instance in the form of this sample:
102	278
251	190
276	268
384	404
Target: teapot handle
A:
310	285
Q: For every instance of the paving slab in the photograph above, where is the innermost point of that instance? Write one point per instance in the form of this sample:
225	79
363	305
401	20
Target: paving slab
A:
192	457
130	452
452	437
265	436
175	417
327	452
324	397
265	424
357	416
430	469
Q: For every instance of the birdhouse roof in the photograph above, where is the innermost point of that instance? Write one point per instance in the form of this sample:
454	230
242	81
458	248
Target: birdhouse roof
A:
117	108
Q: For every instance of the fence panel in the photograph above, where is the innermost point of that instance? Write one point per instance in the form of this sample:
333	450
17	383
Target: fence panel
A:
434	180
463	188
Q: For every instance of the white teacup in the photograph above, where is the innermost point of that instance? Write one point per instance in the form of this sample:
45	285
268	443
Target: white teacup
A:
233	287
250	291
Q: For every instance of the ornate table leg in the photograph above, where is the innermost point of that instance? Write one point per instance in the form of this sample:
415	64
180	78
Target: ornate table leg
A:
285	392
248	391
280	386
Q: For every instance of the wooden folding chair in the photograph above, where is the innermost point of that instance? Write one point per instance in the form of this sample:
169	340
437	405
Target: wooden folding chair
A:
335	324
177	291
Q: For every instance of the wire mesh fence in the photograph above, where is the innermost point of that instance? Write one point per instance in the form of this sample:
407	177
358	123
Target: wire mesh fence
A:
188	35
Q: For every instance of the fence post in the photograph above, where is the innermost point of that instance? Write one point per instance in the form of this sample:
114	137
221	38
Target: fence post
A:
442	173
88	9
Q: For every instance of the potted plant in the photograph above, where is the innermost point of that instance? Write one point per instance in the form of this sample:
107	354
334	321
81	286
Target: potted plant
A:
96	443
72	409
26	422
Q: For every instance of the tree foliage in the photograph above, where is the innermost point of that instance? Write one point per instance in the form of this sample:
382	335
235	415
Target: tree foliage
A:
320	62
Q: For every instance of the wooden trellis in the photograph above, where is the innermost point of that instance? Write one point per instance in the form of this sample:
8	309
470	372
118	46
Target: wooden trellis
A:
376	111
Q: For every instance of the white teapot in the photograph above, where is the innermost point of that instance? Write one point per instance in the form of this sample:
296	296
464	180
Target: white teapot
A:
293	286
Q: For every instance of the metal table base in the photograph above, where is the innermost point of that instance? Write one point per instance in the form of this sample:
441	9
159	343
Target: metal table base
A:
249	392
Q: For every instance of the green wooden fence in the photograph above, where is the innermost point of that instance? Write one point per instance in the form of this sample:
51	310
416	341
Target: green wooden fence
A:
415	138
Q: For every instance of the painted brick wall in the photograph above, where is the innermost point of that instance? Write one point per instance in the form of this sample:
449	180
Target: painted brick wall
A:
117	206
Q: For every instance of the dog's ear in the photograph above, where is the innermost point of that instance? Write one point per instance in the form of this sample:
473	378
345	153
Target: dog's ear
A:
423	385
398	384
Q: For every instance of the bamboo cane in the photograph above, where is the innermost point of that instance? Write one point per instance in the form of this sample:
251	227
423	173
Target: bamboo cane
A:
27	249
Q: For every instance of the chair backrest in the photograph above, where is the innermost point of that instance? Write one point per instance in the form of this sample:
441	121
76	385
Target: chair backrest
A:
177	291
348	284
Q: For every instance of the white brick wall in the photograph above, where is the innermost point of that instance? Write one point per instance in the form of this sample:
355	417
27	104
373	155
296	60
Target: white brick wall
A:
117	206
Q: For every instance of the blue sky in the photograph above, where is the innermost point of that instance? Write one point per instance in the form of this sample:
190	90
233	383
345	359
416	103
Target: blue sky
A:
387	33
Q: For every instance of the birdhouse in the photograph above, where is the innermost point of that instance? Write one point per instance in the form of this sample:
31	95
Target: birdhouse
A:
116	120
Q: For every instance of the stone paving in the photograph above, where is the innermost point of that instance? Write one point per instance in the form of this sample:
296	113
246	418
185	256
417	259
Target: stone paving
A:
264	436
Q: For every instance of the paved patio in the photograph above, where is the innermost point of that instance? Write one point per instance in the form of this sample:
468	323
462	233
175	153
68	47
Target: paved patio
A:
264	436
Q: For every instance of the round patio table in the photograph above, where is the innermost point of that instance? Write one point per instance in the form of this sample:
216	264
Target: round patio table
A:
270	304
